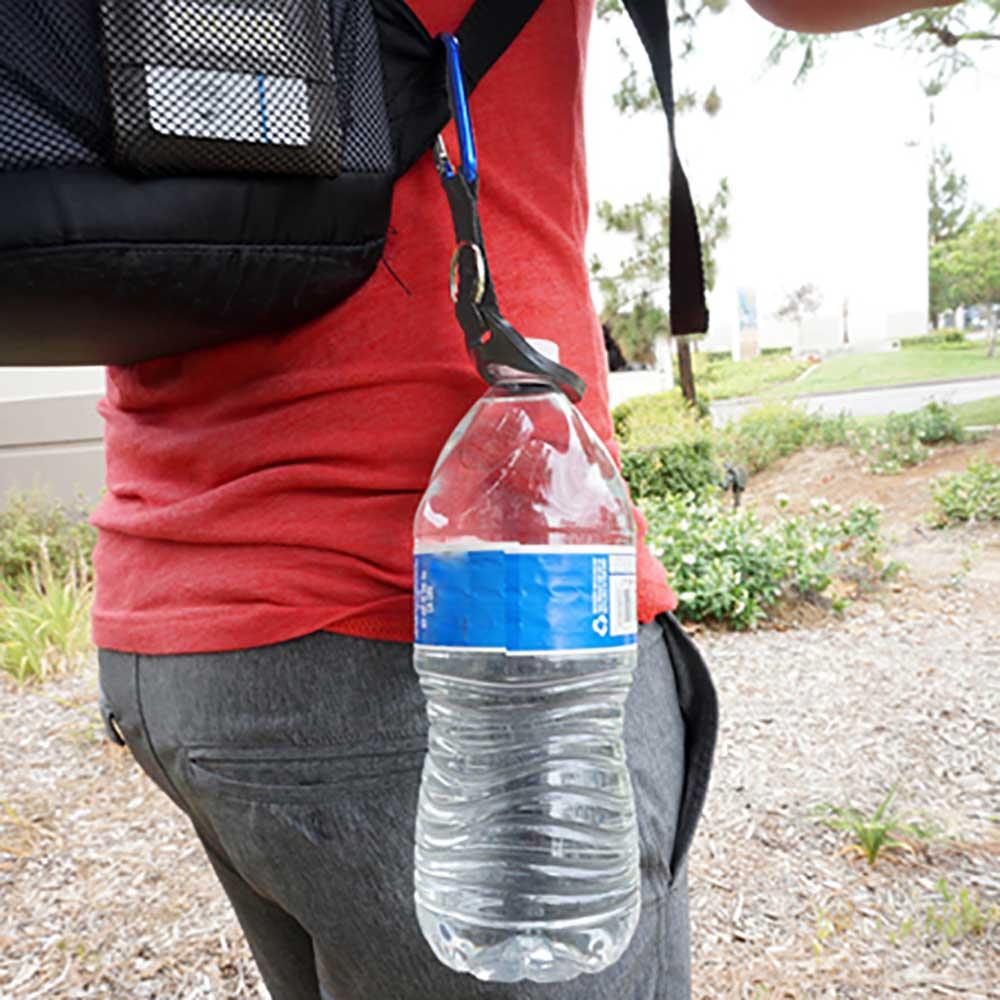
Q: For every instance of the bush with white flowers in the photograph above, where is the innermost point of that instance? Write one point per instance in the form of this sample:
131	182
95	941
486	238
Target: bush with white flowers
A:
731	567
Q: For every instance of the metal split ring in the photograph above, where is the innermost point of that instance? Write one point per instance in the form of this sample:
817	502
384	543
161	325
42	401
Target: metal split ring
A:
480	290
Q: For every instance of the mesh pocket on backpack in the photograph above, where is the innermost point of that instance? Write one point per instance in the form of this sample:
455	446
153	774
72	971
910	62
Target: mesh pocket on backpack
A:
223	85
54	88
53	109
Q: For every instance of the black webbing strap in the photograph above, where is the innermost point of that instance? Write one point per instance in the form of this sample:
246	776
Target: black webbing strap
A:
688	312
487	31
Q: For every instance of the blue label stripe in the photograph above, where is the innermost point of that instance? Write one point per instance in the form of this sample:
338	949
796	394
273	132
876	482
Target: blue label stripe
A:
265	131
525	598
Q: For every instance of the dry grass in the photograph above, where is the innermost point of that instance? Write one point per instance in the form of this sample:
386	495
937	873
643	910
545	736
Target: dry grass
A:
105	894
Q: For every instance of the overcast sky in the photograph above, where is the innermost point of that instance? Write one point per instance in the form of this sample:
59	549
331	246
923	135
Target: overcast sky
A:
828	179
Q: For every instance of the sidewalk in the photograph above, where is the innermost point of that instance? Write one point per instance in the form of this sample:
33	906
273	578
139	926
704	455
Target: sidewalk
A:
875	401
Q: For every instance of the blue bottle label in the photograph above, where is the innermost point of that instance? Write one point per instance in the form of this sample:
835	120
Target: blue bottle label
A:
525	598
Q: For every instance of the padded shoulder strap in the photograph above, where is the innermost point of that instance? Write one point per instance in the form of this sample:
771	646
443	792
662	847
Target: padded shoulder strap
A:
688	312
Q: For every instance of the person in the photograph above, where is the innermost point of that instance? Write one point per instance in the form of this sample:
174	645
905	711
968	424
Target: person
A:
253	610
616	360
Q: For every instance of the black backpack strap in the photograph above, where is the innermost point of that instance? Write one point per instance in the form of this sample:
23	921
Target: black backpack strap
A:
688	312
488	31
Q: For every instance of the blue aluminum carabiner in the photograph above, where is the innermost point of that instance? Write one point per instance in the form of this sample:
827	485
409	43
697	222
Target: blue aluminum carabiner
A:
459	102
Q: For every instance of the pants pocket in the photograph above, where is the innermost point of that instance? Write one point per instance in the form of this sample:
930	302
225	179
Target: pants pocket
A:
296	774
699	707
313	828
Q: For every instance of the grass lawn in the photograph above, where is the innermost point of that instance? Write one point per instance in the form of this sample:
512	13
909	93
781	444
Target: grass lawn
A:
856	371
981	413
726	379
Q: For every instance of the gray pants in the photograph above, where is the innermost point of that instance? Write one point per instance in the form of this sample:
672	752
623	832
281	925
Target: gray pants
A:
299	765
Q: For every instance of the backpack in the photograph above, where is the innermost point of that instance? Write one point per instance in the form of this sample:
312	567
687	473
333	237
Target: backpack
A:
176	174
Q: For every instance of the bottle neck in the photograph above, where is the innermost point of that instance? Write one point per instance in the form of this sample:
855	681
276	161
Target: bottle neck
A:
514	383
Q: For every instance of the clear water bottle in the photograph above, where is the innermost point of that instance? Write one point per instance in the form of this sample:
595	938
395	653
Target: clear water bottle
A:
527	858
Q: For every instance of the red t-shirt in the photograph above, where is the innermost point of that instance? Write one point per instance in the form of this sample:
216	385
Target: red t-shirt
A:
265	489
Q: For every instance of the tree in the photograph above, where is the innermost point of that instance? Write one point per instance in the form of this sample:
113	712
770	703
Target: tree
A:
950	215
636	95
949	39
966	270
630	295
947	191
800	303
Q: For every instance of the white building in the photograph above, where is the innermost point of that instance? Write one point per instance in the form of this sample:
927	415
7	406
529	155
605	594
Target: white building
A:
828	181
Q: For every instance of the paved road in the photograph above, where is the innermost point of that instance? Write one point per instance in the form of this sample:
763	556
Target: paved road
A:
879	400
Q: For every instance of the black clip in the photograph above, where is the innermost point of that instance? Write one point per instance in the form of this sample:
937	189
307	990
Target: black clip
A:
492	341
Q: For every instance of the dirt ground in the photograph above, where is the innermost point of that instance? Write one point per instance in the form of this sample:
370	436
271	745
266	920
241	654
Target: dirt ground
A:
103	893
932	559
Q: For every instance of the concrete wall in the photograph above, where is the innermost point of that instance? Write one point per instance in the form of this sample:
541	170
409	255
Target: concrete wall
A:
50	431
627	385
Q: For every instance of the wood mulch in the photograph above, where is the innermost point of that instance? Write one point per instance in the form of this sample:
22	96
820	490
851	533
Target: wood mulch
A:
103	892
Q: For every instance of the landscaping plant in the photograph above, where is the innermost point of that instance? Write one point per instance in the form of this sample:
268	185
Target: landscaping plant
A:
881	831
972	495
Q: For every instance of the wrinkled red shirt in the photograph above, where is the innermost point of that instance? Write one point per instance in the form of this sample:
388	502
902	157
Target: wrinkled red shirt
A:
265	489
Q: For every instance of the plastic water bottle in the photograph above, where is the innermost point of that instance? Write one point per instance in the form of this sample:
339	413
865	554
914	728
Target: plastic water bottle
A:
527	858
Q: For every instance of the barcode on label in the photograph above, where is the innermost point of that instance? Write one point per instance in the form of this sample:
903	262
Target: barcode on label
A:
623	614
619	563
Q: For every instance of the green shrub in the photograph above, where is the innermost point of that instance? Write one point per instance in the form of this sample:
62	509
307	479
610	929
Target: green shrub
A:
680	468
973	495
30	522
829	432
934	423
652	421
936	338
666	448
765	434
901	440
730	567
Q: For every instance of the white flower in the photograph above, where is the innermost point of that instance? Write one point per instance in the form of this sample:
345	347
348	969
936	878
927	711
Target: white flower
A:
689	558
687	596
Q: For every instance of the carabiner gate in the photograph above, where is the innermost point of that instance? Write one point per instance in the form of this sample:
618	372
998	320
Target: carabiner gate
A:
458	100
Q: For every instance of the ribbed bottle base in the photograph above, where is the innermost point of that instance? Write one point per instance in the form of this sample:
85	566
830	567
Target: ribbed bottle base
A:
504	955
